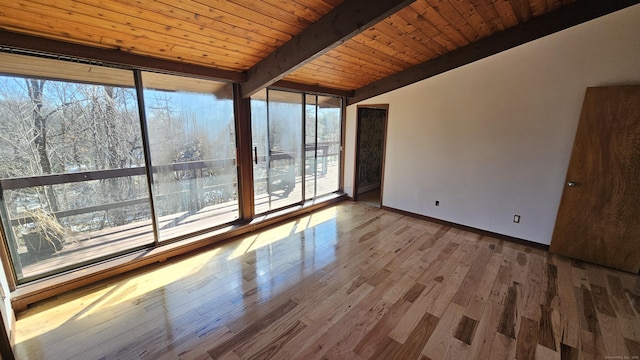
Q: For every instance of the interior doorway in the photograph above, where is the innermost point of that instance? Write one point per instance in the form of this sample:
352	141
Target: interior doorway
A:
371	134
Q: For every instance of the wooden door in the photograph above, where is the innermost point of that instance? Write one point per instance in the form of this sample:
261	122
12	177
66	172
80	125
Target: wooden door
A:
599	216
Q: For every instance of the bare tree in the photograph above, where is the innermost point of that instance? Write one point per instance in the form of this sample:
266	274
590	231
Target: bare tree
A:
36	88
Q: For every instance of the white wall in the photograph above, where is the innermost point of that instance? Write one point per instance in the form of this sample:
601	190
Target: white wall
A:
493	138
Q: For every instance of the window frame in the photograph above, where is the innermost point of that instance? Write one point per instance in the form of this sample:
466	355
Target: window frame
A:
247	220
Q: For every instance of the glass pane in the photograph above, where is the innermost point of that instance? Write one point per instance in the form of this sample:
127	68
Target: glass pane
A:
260	140
328	136
72	167
193	153
311	161
277	136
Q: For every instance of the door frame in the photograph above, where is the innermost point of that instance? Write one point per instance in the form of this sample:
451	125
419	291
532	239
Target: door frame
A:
384	107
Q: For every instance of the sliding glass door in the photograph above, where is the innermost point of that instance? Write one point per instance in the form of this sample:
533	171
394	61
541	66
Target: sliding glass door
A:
193	153
322	145
296	136
72	168
76	187
276	126
329	144
97	162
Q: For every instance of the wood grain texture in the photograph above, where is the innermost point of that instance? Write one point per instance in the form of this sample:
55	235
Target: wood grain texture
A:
599	218
618	296
516	34
466	330
508	318
235	36
314	40
568	306
601	300
568	353
318	292
546	336
527	339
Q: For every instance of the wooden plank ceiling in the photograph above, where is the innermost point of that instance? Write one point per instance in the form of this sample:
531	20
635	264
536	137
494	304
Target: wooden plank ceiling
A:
236	35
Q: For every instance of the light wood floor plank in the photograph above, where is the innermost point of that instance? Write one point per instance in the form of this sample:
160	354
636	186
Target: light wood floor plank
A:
568	307
480	296
348	282
482	344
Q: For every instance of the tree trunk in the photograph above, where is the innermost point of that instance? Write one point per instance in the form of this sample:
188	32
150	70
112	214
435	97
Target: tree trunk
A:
36	88
115	158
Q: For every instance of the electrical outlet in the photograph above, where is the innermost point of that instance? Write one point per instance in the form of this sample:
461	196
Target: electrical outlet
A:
437	203
516	219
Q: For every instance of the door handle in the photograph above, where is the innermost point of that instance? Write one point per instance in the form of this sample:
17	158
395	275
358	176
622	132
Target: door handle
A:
572	184
255	155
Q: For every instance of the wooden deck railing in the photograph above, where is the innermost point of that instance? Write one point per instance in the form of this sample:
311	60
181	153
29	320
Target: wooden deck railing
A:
66	178
59	179
101	242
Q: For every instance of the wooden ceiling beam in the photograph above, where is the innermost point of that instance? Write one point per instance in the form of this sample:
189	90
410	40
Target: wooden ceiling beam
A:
565	17
113	56
315	89
343	22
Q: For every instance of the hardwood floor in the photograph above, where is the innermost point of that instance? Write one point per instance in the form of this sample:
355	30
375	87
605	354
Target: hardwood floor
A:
370	197
348	282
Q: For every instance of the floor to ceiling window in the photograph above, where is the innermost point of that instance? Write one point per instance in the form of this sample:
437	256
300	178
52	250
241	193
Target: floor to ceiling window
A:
72	167
192	150
98	161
